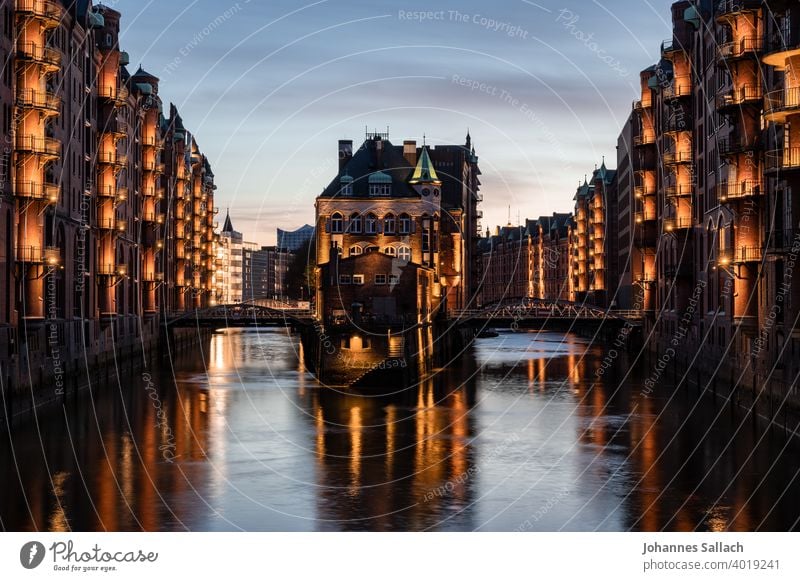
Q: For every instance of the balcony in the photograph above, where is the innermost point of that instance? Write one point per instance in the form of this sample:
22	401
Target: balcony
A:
785	160
644	139
43	101
779	105
676	124
677	191
37	191
728	8
113	94
736	145
117	127
112	158
48	12
30	254
643	216
643	191
740	190
671	47
676	157
780	47
44	146
31	52
680	87
740	255
739	97
747	47
108	269
677	224
112	224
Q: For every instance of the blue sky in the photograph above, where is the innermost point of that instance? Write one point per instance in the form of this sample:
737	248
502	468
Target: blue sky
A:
270	86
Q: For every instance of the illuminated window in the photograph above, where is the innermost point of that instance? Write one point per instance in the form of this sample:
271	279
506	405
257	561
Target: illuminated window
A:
388	224
355	224
356	250
404	253
337	223
358	279
371	224
390	250
405	224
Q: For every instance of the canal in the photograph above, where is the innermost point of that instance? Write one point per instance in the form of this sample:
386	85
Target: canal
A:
518	434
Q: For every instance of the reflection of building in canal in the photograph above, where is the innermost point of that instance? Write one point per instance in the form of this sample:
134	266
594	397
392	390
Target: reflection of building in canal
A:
134	481
391	465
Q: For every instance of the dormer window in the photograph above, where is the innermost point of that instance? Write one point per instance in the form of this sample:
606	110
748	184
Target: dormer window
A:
380	184
346	182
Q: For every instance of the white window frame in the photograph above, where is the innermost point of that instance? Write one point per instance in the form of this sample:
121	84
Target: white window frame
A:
358	279
340	220
404	253
380	279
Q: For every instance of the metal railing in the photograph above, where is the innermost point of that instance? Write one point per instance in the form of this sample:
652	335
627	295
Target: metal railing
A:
737	190
749	45
739	96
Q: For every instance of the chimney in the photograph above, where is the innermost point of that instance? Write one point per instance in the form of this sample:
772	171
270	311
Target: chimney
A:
345	152
410	152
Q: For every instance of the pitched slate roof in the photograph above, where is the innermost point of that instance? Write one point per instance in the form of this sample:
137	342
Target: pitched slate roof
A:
376	155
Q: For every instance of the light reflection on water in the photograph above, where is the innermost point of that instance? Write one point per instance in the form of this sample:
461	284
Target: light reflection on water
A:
517	435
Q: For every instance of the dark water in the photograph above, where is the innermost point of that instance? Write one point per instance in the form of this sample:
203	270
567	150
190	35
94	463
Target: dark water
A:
515	436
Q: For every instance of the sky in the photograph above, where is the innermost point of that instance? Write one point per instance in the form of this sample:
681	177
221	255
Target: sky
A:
268	87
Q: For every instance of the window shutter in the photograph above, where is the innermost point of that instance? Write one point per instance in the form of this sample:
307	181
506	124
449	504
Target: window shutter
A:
328	226
413	226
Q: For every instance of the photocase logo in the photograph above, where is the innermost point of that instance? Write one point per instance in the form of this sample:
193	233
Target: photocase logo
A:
31	554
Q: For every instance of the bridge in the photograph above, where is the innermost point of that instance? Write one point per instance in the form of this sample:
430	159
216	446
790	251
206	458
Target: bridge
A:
242	315
527	313
537	312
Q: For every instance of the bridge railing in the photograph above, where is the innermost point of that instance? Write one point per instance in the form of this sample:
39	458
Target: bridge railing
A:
539	310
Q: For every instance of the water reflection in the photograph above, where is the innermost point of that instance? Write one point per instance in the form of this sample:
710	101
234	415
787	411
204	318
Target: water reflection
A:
518	435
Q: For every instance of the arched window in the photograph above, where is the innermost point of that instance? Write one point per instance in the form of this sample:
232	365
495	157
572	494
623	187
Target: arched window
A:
371	224
356	250
405	224
389	224
337	224
404	253
390	250
355	224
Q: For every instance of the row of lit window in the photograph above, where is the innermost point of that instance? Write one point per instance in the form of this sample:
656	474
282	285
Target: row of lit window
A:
369	224
401	252
358	279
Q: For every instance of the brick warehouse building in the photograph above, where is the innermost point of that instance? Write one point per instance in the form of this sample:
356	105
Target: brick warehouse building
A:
415	205
107	211
716	171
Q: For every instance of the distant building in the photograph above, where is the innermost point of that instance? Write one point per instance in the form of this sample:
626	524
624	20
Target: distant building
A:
293	240
264	272
527	262
229	270
595	243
